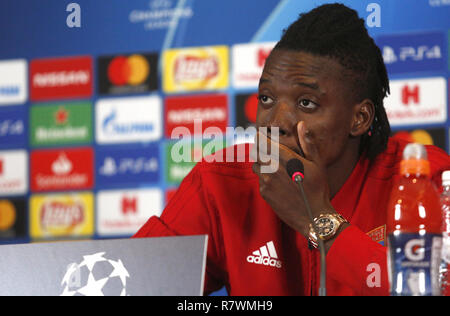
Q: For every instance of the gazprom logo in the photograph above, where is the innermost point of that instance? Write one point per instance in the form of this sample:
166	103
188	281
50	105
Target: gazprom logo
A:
128	120
112	126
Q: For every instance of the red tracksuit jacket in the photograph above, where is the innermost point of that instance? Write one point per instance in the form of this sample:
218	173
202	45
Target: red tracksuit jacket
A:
252	252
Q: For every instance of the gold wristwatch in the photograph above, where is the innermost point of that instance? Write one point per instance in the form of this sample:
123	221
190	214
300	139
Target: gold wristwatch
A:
327	226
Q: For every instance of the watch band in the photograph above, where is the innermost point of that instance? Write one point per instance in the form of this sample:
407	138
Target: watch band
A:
337	218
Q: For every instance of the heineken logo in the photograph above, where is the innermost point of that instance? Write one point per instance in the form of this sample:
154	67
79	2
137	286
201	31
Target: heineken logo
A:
69	123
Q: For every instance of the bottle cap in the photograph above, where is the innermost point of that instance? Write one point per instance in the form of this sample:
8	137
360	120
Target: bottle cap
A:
446	177
415	160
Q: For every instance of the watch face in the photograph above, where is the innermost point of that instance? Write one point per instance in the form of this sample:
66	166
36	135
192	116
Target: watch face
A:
325	226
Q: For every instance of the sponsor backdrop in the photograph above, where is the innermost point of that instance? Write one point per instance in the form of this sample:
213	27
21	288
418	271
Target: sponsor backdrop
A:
87	113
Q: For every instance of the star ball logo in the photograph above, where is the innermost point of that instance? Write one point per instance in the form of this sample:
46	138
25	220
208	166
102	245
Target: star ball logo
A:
127	74
95	275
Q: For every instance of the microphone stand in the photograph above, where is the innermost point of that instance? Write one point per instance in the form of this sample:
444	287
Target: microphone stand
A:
323	263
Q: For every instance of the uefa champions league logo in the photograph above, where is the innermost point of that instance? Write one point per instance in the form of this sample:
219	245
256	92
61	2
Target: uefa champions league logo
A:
95	276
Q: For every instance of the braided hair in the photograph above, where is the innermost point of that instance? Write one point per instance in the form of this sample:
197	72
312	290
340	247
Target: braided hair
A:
336	31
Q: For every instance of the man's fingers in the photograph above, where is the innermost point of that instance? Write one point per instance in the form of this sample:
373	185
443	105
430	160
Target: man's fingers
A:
262	150
308	144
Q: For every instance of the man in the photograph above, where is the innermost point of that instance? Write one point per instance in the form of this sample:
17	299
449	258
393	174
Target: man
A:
323	86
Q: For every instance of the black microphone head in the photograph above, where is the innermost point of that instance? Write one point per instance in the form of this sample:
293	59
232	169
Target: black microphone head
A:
294	167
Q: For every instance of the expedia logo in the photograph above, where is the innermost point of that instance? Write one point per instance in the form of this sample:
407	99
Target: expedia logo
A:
126	74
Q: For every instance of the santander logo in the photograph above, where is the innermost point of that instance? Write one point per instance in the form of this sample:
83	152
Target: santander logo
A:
62	166
54	170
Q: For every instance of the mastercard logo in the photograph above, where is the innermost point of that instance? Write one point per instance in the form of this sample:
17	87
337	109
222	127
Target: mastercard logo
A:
418	136
132	70
7	215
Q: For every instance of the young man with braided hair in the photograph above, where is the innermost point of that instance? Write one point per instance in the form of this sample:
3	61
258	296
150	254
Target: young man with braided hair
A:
323	87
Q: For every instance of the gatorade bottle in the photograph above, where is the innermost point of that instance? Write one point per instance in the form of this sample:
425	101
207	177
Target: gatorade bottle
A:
445	264
414	228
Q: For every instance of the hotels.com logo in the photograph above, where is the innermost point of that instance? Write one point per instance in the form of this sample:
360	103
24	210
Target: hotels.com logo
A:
248	63
262	56
13	172
61	78
129	205
417	101
410	94
195	68
123	212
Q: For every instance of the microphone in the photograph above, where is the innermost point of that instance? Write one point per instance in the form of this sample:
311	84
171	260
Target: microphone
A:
295	169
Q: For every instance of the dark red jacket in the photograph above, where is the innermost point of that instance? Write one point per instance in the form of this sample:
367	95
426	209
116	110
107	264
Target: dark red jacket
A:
252	252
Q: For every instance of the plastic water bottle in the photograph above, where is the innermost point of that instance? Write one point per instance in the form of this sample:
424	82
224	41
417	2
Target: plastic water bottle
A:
445	265
414	228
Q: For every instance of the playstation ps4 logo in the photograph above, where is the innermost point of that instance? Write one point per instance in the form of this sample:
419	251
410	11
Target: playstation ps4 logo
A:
134	166
411	53
11	127
128	165
422	52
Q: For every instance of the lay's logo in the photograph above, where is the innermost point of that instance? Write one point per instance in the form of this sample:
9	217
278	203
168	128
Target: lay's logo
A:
195	69
192	68
61	215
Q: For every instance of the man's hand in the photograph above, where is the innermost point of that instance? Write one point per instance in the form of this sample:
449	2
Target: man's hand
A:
281	192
